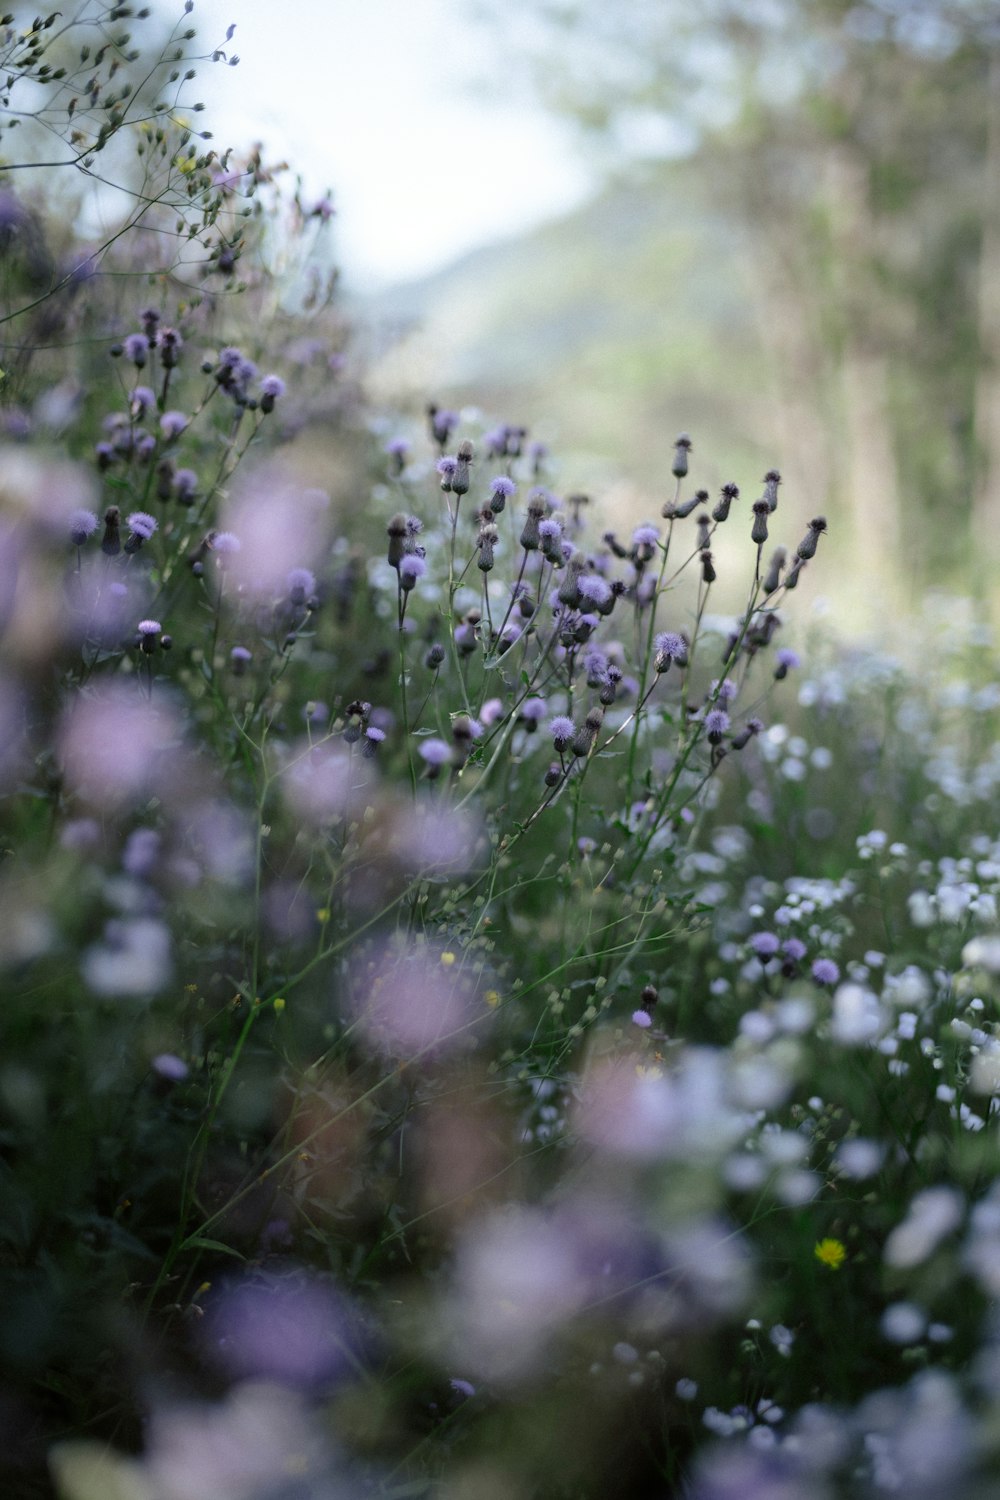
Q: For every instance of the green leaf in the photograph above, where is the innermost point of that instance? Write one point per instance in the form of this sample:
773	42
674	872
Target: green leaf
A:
201	1242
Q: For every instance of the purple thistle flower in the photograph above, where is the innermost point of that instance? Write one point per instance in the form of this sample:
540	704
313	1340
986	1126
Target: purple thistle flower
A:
503	486
82	523
372	739
642	1018
765	945
136	348
172	424
185	485
670	647
301	583
794	948
645	536
411	567
726	690
169	1066
786	659
272	388
446	467
435	753
825	971
142	524
170	344
240	658
141	400
562	730
532	712
226	543
716	724
594	589
397	447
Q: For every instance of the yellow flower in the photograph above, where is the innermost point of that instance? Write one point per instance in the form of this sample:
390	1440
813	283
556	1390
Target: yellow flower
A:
831	1253
447	959
492	998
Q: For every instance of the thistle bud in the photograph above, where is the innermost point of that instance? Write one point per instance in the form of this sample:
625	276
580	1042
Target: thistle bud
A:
111	543
773	576
536	510
761	511
708	574
771	481
486	542
681	450
730	492
684	509
397	539
704	531
434	657
807	546
746	734
569	588
553	775
460	479
792	576
586	736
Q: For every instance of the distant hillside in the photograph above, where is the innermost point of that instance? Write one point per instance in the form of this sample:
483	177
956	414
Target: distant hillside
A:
606	332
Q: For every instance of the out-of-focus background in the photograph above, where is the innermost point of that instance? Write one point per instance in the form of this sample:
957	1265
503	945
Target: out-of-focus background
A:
773	223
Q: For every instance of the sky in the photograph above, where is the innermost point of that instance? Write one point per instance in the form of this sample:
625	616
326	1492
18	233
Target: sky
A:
384	102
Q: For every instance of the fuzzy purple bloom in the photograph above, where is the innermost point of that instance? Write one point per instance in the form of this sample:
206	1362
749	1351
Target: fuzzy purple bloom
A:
825	971
435	752
503	486
716	724
136	348
149	627
765	945
141	523
794	948
172	424
82	523
226	543
273	386
642	1018
562	730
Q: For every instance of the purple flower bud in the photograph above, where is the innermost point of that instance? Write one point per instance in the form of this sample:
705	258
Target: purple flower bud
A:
240	658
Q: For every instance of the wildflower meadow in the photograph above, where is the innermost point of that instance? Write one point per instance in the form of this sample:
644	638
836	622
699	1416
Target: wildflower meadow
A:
497	1002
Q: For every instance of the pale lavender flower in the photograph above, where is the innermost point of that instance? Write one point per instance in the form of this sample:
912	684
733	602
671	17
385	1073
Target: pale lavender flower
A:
642	1018
716	724
825	971
765	945
136	347
301	585
669	647
435	753
226	544
142	398
562	730
169	1066
172	424
82	524
411	567
133	958
293	1329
